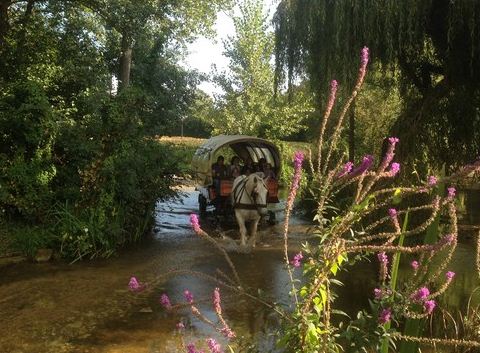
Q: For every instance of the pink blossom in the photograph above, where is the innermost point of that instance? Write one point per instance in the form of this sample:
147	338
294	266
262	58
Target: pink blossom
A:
297	260
432	180
135	286
450	275
429	305
415	265
216	301
180	326
165	301
191	348
364	57
378	293
347	168
393	140
451	192
297	162
392	213
227	332
447	239
394	169
214	346
385	316
188	296
364	166
195	223
421	295
383	258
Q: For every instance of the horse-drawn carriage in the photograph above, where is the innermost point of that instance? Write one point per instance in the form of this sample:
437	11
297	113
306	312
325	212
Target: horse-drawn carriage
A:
218	193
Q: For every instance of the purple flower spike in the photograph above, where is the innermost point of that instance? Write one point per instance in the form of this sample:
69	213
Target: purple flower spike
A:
451	192
393	140
385	316
191	348
135	286
383	258
216	301
214	346
298	159
347	168
364	56
394	169
415	265
432	180
392	213
364	166
421	295
188	296
165	301
195	223
429	305
450	275
297	260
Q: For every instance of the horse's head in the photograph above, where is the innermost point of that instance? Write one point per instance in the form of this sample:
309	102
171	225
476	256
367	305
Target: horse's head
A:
258	190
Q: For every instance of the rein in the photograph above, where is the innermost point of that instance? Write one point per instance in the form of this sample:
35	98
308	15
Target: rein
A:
245	206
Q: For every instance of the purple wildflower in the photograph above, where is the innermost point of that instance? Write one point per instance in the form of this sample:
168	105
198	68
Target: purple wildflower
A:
393	140
432	180
447	239
227	332
297	162
421	295
214	346
191	348
347	168
415	265
450	275
385	316
378	293
188	296
195	223
135	286
392	213
429	305
451	192
297	260
394	169
383	258
364	56
165	301
216	301
364	166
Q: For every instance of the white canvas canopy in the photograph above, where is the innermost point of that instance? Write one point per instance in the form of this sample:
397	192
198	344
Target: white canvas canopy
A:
243	146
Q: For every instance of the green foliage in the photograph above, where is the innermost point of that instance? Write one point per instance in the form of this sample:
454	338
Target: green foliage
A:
432	48
26	163
249	105
74	153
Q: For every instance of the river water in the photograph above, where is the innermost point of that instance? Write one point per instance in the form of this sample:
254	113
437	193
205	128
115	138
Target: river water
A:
86	307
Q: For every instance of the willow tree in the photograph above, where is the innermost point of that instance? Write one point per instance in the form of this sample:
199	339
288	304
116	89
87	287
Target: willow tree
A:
432	46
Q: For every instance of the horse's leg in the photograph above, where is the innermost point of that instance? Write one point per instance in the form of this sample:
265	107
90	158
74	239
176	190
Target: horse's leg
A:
243	229
253	231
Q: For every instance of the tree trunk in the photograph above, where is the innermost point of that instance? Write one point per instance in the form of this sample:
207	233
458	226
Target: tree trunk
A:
125	62
4	25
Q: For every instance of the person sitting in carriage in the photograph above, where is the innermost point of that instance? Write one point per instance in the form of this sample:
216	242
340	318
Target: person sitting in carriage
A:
235	169
219	173
248	168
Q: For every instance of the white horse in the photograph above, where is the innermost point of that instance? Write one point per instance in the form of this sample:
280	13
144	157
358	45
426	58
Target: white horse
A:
249	200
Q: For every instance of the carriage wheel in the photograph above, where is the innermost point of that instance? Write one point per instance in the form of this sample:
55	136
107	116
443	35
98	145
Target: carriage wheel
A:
202	204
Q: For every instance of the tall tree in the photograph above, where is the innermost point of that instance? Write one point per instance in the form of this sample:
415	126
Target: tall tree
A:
249	105
433	46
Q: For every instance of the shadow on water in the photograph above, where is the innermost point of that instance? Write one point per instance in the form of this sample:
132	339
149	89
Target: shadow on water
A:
86	307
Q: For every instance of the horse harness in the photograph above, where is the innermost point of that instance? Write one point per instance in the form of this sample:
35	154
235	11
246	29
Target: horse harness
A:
244	206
